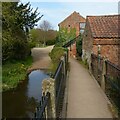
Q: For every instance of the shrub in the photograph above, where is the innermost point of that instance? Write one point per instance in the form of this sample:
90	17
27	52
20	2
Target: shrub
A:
79	46
55	56
32	44
50	42
11	75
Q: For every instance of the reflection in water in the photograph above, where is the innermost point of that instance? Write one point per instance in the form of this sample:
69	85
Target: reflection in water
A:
35	87
23	101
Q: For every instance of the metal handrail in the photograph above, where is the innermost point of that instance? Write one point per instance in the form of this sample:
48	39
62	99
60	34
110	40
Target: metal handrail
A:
59	83
113	65
70	42
40	110
58	70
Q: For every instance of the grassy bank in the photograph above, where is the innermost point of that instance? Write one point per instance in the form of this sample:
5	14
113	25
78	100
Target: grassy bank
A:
13	72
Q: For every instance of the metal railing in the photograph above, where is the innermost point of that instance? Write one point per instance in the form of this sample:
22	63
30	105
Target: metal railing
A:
112	80
97	67
111	76
70	42
40	110
60	83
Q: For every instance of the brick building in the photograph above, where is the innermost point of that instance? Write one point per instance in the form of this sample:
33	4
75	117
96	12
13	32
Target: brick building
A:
102	34
75	20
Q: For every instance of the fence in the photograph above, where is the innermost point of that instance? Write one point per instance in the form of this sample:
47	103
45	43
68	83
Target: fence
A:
43	110
60	84
112	80
59	88
97	67
108	73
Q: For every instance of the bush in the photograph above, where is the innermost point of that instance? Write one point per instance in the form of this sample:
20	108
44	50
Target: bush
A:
50	42
11	75
79	46
20	49
55	55
32	44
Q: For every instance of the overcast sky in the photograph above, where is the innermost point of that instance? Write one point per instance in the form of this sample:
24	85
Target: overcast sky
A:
55	12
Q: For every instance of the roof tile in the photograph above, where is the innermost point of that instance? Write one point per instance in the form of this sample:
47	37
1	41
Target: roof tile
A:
105	26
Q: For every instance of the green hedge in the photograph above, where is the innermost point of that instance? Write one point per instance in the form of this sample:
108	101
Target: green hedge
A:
50	42
55	55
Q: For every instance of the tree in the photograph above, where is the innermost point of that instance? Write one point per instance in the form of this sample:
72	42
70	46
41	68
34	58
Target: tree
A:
45	26
64	35
37	37
17	20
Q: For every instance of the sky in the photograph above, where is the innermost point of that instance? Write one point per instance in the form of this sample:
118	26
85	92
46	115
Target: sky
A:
56	12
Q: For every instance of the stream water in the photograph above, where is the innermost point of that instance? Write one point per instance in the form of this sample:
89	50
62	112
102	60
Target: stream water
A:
21	103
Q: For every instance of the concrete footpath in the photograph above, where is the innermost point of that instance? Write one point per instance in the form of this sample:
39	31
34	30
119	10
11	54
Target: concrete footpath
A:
85	98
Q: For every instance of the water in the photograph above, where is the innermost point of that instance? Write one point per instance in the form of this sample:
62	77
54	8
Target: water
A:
23	101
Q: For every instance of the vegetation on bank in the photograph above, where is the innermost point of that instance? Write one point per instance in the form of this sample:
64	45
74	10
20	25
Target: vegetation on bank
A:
17	20
14	72
55	55
58	51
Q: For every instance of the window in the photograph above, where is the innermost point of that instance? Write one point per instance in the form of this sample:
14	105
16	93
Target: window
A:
82	25
68	25
82	31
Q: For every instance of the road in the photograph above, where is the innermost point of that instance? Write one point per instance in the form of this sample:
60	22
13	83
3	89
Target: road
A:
41	59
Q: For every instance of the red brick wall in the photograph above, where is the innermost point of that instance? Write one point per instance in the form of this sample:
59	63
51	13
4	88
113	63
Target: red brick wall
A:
87	44
74	49
73	21
109	49
119	54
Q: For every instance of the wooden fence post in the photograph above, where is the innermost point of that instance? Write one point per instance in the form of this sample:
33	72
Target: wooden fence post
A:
103	75
48	85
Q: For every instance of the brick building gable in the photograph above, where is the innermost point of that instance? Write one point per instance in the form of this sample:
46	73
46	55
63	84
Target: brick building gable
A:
72	21
75	16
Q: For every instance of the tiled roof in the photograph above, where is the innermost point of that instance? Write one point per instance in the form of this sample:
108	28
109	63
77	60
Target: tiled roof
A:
104	26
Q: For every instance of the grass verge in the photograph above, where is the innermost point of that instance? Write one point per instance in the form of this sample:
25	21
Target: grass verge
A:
14	72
